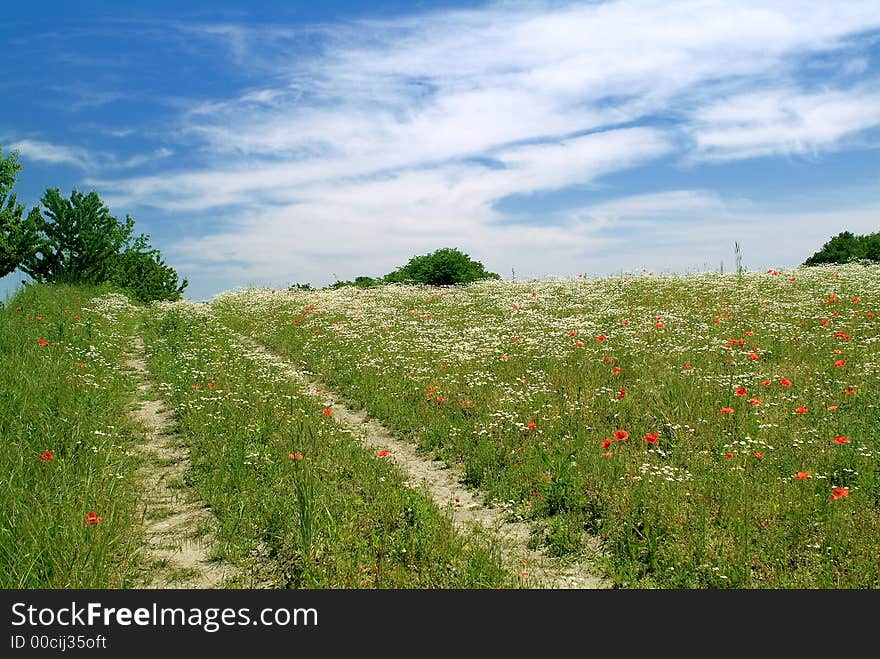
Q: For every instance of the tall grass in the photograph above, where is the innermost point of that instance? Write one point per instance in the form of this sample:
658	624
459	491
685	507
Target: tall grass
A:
300	503
715	430
67	447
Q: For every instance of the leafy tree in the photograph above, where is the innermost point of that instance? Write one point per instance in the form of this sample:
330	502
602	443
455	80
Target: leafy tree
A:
18	235
845	247
79	239
140	271
443	267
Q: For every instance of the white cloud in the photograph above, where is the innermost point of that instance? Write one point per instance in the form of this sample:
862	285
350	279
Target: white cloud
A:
54	154
367	147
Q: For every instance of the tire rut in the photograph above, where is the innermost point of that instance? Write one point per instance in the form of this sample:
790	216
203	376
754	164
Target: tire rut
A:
468	509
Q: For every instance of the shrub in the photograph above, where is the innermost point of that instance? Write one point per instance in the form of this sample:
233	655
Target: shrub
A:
141	272
846	247
443	267
18	234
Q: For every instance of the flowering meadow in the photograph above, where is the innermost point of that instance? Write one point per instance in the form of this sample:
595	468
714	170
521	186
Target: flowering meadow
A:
712	430
299	502
68	460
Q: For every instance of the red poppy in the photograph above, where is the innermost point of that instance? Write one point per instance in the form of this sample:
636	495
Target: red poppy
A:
831	408
659	325
766	383
801	410
840	362
197	387
784	382
849	390
620	435
47	456
802	475
824	322
505	358
573	333
295	456
728	455
759	455
841	335
211	385
327	411
749	333
841	439
616	370
531	425
740	391
652	437
93	518
621	394
601	337
382	454
605	444
43	342
726	410
753	356
839	492
687	367
755	401
579	344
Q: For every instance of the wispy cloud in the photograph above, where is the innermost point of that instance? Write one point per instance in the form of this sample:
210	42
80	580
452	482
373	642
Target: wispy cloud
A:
376	138
53	154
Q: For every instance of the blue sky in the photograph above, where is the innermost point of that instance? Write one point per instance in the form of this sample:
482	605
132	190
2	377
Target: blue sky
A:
268	143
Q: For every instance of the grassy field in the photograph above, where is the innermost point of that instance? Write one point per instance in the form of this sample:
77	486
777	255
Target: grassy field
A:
715	431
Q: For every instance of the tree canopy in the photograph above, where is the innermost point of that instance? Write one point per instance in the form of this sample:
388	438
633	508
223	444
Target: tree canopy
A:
442	267
847	246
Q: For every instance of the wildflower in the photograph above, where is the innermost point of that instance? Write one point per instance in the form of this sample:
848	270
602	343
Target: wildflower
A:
652	437
573	333
616	370
531	425
784	382
831	408
849	390
766	383
726	410
295	456
197	387
801	410
382	454
621	393
505	358
43	342
759	455
841	439
740	391
841	335
824	322
93	518
755	401
659	325
840	362
211	385
753	356
327	412
839	492
687	367
47	456
802	475
728	455
605	444
601	337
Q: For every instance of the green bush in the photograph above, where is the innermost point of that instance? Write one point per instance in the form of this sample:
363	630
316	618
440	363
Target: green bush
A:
443	267
141	272
845	247
17	234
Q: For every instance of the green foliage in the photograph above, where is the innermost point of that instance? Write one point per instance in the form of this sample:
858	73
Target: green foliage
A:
141	272
443	267
300	287
80	239
18	234
846	247
77	240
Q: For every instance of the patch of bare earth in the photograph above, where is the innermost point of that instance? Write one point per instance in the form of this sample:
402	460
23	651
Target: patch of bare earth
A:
468	509
175	520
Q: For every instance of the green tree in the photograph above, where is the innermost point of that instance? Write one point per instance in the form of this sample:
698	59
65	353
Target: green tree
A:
141	272
18	234
79	239
443	267
846	246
